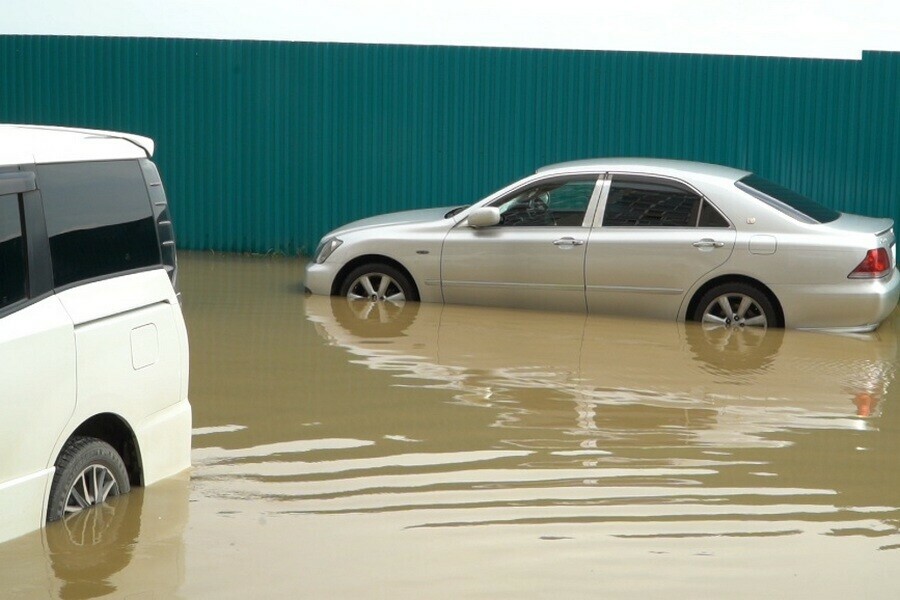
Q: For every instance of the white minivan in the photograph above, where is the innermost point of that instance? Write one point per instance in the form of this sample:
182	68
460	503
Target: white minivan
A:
93	346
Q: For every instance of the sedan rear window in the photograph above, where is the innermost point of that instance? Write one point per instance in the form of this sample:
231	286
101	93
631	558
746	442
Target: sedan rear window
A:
787	201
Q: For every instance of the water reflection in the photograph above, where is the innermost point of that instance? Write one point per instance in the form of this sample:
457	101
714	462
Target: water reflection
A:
128	547
603	365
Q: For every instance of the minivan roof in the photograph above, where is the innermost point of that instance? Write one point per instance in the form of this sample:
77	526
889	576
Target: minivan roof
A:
39	144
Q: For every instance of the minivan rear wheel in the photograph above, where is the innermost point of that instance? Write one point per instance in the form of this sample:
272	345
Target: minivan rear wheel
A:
88	472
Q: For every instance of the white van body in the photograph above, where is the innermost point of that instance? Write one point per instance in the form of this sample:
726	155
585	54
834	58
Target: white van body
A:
93	344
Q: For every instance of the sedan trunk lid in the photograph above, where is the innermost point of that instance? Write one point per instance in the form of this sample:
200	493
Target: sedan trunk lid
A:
881	230
850	223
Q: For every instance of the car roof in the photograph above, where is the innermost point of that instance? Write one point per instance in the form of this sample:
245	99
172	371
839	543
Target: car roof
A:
39	144
658	166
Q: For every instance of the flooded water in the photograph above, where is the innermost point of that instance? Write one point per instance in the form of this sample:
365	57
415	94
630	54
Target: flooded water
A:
428	451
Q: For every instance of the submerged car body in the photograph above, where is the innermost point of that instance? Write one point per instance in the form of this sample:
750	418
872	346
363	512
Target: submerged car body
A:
639	237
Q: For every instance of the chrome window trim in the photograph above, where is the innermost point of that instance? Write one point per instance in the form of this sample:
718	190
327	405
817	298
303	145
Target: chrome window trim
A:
598	198
605	183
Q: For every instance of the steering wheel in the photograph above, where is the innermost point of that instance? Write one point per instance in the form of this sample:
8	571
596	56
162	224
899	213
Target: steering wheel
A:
529	211
538	204
537	210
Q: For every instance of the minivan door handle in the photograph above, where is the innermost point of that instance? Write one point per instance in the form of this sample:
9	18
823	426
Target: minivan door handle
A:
568	242
708	243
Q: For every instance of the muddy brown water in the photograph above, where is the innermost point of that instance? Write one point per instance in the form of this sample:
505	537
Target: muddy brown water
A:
345	451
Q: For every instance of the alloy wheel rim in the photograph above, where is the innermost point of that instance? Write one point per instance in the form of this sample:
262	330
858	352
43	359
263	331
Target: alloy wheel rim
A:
734	311
376	287
93	486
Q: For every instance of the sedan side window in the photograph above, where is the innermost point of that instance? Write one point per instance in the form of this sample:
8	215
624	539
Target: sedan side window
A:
12	252
710	217
561	202
649	202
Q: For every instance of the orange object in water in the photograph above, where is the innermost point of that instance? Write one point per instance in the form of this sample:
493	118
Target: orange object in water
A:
865	404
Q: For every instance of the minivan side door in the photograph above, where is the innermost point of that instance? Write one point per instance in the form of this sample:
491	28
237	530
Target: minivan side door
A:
653	238
37	368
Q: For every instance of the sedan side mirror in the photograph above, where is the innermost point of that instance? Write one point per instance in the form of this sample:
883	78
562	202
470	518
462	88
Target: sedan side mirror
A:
486	216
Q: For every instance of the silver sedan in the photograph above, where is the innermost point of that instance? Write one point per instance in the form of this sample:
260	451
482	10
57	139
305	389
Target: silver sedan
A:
638	237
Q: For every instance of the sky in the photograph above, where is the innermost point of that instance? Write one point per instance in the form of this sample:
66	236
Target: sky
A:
796	28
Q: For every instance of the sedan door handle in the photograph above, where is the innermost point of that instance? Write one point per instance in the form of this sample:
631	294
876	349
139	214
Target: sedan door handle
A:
568	242
708	243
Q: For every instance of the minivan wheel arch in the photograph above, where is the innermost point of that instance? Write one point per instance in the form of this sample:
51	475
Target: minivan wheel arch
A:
716	281
116	432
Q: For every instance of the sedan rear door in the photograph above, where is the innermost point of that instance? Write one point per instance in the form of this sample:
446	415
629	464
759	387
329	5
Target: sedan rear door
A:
653	238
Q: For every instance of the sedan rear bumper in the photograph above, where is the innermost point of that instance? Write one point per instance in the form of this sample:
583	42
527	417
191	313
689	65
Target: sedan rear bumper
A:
852	306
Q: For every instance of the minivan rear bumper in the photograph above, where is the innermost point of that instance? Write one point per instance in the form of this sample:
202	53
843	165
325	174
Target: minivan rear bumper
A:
168	434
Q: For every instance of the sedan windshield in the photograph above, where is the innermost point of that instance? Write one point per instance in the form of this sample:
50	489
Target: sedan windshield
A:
787	201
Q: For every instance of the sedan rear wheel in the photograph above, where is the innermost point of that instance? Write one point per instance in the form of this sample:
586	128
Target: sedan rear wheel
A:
378	283
735	306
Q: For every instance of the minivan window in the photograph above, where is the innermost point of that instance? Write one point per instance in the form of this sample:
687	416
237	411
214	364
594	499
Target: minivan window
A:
646	202
787	201
13	277
99	219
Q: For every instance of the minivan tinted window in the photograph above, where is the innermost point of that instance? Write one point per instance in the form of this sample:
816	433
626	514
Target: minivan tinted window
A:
12	252
99	219
787	201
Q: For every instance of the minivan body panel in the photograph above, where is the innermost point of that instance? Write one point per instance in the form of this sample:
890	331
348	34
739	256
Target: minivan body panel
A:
37	368
131	358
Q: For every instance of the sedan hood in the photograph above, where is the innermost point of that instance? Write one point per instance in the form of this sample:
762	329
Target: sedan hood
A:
397	218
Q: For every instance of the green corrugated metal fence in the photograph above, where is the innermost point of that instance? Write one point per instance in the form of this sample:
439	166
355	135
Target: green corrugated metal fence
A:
267	145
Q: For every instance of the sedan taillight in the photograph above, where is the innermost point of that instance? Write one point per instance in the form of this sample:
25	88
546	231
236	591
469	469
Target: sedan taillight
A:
877	263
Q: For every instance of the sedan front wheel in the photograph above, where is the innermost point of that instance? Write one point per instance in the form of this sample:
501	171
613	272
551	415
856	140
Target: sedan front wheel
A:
378	283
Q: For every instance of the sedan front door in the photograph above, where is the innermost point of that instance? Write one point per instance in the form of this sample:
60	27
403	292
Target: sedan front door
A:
533	258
